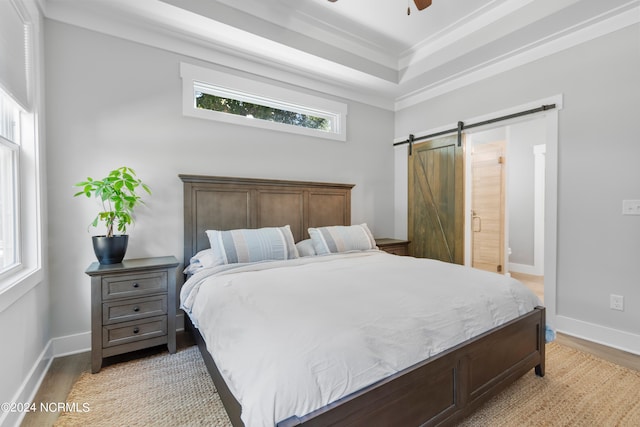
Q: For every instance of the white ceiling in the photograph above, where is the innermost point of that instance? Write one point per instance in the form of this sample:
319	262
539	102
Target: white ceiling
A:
368	50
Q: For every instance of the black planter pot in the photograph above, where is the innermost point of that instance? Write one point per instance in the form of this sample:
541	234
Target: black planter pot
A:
110	250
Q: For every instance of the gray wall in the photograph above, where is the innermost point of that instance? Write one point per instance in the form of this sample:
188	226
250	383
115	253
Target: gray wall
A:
598	150
112	102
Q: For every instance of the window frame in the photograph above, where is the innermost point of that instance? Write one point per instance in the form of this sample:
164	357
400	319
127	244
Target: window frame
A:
195	79
15	207
10	136
16	282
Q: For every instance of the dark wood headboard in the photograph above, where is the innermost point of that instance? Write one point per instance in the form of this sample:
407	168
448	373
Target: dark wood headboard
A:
227	203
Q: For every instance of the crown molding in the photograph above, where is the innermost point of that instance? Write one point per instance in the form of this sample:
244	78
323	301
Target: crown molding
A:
192	32
225	47
622	17
461	29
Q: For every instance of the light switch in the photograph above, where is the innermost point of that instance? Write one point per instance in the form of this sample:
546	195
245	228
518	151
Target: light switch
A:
631	207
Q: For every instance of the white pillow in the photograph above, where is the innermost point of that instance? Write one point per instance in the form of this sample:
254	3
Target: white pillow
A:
252	245
342	238
203	259
305	248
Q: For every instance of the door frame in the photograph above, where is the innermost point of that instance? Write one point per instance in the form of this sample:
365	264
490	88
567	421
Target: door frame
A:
551	187
538	155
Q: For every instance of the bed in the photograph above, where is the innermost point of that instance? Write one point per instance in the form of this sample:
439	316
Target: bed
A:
440	389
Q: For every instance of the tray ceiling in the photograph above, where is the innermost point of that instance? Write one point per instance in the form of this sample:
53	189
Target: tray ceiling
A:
371	49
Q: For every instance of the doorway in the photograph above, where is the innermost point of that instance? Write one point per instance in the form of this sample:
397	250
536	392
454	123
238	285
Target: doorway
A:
506	186
549	251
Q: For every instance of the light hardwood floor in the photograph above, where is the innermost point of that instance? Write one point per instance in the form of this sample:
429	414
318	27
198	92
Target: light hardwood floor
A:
535	283
62	374
619	357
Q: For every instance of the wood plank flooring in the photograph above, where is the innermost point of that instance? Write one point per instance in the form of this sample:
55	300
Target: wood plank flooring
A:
535	283
62	374
619	357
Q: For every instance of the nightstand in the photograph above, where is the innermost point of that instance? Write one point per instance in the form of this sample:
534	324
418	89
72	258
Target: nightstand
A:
133	306
393	246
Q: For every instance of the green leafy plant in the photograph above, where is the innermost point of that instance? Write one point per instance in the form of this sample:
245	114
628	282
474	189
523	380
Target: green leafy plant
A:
117	192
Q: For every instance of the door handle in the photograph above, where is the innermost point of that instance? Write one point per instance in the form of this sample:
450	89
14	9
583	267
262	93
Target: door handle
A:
477	223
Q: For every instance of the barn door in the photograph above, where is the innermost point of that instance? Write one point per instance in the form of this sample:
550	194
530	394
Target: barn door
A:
436	200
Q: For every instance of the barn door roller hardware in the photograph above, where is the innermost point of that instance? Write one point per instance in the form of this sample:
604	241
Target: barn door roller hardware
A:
461	126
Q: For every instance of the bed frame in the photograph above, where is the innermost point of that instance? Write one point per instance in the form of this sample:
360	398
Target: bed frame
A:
438	391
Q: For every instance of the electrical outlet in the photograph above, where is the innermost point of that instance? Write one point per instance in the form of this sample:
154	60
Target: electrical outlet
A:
616	302
631	207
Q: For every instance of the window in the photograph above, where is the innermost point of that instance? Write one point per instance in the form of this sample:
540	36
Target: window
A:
9	163
217	99
21	175
219	96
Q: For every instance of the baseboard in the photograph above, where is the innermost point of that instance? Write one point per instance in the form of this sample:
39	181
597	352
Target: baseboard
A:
525	269
610	337
29	387
71	344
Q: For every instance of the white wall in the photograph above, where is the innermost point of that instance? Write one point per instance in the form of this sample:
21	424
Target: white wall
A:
24	333
598	248
112	102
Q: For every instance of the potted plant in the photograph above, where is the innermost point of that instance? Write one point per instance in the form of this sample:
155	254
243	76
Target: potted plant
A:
118	195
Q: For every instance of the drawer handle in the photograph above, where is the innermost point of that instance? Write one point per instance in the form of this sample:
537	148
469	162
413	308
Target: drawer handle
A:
136	330
136	285
136	309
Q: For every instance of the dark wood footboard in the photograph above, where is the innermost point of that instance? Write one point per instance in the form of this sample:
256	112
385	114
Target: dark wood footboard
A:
438	391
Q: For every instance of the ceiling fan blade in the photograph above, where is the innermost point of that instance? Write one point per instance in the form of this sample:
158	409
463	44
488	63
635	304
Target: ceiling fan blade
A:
422	4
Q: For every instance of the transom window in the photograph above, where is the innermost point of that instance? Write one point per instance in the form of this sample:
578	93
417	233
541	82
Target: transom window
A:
220	96
217	99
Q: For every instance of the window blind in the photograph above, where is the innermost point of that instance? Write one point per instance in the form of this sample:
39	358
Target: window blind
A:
14	53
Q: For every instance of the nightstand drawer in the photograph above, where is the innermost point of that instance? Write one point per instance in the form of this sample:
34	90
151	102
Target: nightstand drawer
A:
396	250
131	285
131	309
123	333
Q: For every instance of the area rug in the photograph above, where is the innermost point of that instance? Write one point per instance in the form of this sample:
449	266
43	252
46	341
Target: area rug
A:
175	390
160	390
578	389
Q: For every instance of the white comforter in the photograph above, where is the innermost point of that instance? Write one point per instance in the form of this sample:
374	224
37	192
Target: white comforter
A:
292	336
